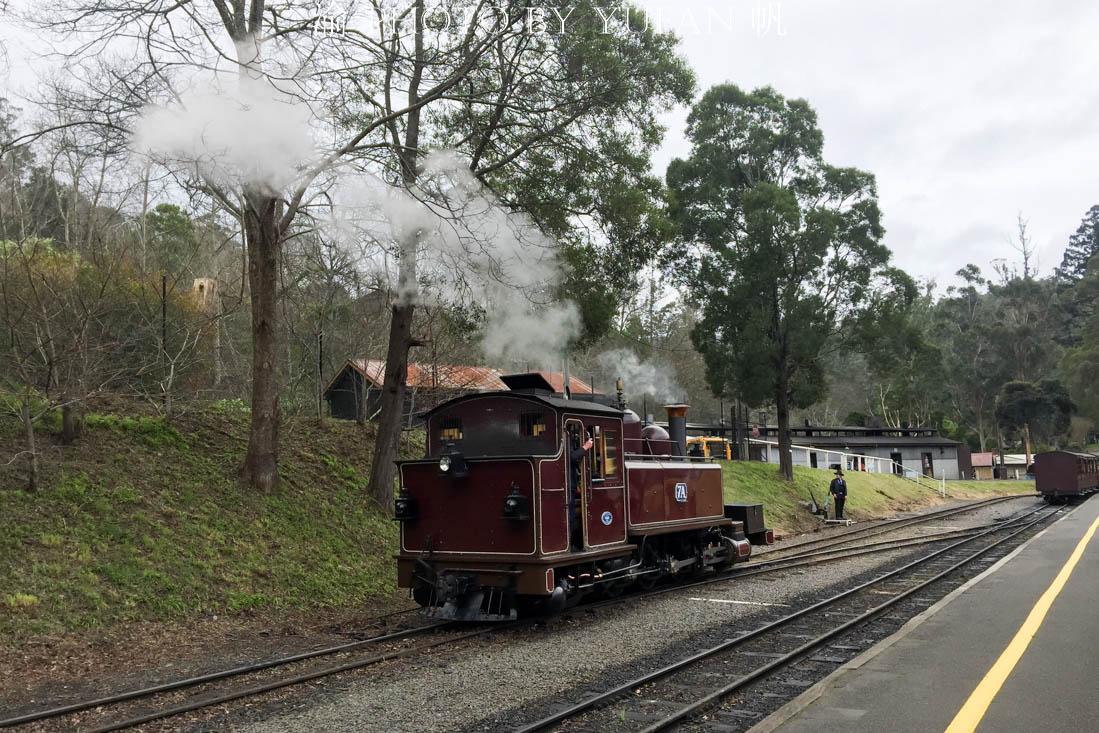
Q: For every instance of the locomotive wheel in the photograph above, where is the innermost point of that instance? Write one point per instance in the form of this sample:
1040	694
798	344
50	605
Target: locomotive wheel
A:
422	595
650	561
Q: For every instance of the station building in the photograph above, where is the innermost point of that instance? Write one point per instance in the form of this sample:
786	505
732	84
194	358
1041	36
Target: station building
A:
902	451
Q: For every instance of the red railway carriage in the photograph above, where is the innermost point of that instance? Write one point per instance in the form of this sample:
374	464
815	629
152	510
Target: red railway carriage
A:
487	525
1061	474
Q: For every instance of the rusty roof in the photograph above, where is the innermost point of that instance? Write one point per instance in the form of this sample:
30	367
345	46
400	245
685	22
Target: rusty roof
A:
449	376
445	376
981	459
576	385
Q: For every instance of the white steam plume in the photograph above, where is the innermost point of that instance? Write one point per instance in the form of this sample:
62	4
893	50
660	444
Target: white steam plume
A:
528	334
641	377
470	250
248	138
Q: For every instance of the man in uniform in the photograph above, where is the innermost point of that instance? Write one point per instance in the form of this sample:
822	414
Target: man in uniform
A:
838	489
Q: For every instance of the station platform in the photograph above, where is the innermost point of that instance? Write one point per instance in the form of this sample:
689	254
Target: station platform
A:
923	676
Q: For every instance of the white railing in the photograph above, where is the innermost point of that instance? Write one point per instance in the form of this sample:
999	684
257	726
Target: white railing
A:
873	464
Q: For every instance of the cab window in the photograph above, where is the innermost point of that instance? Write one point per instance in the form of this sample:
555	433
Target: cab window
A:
450	429
494	427
595	455
532	425
610	453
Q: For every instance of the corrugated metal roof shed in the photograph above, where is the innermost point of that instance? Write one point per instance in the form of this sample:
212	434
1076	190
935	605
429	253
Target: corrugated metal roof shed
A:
449	376
984	460
576	385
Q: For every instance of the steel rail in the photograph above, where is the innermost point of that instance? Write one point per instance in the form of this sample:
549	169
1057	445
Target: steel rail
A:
215	676
893	524
907	541
775	565
278	684
211	677
785	620
797	561
812	644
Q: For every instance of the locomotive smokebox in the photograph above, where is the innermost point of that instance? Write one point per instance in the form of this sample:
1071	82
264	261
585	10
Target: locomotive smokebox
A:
677	427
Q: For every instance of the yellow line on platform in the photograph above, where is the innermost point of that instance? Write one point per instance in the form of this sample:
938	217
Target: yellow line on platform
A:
969	717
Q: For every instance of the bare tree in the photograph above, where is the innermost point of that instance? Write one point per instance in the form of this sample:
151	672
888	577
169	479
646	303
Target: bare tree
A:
513	98
70	332
1024	246
270	46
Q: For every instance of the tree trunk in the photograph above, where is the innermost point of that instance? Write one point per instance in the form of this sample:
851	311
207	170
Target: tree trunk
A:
785	461
261	218
218	366
382	470
68	424
32	452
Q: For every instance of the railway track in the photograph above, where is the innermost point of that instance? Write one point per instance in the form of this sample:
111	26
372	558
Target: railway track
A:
138	706
889	525
847	623
198	681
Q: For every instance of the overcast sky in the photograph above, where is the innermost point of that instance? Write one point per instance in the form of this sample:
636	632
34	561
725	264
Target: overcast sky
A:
968	112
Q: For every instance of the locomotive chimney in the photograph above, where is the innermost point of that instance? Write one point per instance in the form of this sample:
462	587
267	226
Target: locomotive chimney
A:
677	428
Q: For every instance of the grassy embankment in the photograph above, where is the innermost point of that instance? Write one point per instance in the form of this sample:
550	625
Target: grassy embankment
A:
144	520
869	495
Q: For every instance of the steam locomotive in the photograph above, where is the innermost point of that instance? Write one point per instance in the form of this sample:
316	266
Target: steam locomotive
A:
492	526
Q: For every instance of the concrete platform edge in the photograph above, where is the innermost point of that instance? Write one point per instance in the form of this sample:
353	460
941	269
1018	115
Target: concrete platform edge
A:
802	701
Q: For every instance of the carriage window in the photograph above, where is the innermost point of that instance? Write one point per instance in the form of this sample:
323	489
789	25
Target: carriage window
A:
450	428
610	453
532	425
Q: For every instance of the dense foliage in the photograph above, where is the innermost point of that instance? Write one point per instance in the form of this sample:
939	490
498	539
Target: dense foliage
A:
788	259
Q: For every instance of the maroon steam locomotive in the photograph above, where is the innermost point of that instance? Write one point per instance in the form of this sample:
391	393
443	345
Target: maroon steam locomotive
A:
485	515
1061	475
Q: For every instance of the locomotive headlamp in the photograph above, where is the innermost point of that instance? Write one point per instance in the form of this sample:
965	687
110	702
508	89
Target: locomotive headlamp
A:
404	507
516	505
452	464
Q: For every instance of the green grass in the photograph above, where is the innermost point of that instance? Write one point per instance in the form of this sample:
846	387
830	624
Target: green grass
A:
868	494
154	431
147	521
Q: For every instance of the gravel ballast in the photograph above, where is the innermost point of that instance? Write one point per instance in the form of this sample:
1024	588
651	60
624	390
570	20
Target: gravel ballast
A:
517	675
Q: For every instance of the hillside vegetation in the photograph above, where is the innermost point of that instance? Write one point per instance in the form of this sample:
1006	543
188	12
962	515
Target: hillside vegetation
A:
142	519
145	520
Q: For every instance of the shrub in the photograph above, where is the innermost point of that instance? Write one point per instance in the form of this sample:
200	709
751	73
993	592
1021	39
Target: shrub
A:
20	601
